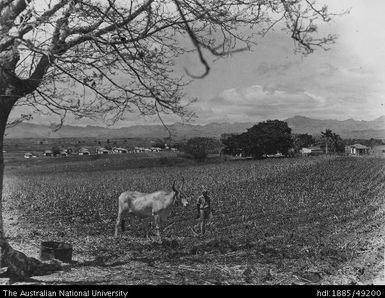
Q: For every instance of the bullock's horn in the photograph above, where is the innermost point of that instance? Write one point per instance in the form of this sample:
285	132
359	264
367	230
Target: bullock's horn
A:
173	187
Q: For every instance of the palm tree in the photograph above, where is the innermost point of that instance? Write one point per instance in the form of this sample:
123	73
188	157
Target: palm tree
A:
327	135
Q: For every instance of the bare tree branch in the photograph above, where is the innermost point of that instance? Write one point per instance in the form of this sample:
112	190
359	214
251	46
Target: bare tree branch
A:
94	45
17	121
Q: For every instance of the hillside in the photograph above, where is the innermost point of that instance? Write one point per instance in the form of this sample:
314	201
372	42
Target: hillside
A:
348	128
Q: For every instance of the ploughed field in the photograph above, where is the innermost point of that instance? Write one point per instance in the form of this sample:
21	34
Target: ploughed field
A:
283	221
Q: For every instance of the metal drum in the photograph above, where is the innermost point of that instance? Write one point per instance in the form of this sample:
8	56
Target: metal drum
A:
56	250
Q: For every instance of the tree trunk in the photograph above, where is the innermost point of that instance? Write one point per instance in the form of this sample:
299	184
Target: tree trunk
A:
11	89
326	146
3	122
19	265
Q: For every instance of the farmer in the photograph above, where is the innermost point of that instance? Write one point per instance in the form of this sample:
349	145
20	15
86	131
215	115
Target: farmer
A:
204	209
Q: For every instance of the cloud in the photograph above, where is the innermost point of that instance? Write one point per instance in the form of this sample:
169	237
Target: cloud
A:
255	103
324	93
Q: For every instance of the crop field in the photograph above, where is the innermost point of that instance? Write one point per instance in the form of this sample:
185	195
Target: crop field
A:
316	220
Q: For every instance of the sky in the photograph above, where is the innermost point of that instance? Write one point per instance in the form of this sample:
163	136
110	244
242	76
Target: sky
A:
272	82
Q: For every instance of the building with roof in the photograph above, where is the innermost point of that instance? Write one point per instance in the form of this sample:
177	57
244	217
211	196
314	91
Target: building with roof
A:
84	151
357	149
314	150
102	150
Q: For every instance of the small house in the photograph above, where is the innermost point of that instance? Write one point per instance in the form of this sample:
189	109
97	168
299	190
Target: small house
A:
139	149
64	153
122	150
84	151
119	150
48	153
314	150
357	149
29	155
102	150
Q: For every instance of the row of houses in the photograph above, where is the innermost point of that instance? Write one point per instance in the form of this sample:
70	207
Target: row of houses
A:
115	150
152	149
356	149
47	153
100	150
86	151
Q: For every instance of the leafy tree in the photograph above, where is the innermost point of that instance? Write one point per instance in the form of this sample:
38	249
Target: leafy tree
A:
159	144
232	144
302	140
200	147
333	142
373	142
69	56
55	150
177	146
267	137
337	144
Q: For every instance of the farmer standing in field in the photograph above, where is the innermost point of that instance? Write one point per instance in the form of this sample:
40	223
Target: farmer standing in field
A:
204	209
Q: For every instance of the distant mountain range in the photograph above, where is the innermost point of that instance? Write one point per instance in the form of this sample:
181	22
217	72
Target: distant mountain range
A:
347	129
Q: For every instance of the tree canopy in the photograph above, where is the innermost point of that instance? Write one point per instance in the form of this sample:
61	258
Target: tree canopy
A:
268	137
302	140
200	147
333	142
